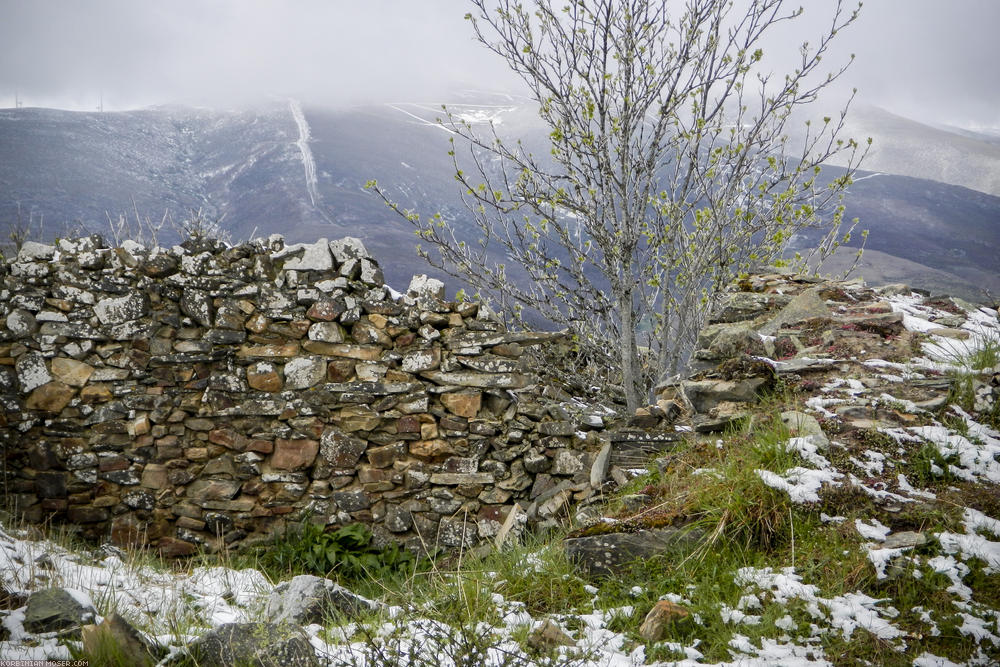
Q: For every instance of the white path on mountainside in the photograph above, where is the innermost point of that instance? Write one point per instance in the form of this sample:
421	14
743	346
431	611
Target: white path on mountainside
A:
303	143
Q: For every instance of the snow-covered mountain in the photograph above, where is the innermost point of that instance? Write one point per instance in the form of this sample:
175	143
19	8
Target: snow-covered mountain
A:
300	171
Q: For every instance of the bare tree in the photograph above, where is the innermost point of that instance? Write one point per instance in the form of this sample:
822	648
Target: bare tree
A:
670	170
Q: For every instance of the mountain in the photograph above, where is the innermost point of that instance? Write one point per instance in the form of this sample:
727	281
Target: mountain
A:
300	171
905	147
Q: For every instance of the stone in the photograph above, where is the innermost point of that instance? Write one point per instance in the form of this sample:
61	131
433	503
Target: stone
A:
21	323
71	372
463	403
258	644
385	456
306	599
607	554
397	520
568	462
264	376
122	309
326	332
51	397
32	372
455	479
304	372
560	428
358	418
212	489
805	306
906	539
707	394
326	310
431	448
306	256
171	547
294	454
366	333
269	351
421	360
348	248
346	350
479	380
946	332
57	609
421	287
740	306
548	636
341	450
659	619
352	501
129	644
197	305
802	425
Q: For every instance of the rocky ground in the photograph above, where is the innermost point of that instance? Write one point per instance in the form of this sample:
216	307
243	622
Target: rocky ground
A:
829	495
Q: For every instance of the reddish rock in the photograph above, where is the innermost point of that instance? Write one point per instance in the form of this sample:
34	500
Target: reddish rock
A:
340	370
294	454
463	403
171	547
264	376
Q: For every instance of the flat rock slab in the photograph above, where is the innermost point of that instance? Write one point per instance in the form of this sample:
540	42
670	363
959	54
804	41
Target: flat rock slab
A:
607	554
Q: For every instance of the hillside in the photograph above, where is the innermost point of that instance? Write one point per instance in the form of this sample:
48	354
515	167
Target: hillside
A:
823	489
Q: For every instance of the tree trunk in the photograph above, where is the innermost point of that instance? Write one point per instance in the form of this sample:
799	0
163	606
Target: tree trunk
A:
628	351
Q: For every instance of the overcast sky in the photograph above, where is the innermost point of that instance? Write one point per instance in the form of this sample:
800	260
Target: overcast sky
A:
933	60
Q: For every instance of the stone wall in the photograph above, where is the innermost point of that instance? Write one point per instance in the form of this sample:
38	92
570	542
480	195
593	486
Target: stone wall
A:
204	395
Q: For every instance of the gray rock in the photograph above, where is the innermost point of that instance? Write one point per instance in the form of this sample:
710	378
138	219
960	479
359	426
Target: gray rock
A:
197	305
806	305
304	372
122	309
55	609
607	554
707	394
307	599
800	424
307	256
257	644
904	540
32	371
740	306
326	332
421	287
348	248
21	323
32	251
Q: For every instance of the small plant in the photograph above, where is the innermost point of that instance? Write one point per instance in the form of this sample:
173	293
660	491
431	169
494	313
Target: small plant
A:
347	552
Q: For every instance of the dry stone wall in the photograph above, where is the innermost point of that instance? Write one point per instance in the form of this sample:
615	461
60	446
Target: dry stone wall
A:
203	396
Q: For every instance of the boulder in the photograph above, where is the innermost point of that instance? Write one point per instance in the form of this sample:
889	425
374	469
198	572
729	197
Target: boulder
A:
606	554
258	644
56	609
307	599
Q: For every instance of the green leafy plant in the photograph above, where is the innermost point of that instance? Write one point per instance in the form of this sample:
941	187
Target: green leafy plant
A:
347	552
